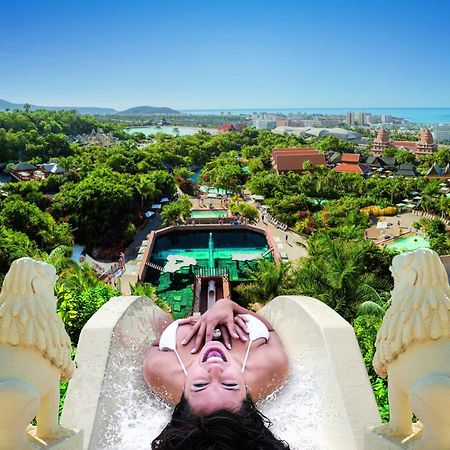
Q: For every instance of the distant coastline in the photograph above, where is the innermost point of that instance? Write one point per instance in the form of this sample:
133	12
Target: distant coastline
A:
428	116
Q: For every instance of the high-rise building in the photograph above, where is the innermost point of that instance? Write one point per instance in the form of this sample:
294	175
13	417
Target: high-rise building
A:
360	117
386	118
262	124
350	118
441	132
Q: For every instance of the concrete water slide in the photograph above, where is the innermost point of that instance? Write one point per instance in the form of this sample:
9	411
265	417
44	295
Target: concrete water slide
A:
326	403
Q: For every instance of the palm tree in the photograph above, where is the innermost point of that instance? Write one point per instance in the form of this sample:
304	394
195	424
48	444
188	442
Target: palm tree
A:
60	257
376	307
335	273
268	280
146	189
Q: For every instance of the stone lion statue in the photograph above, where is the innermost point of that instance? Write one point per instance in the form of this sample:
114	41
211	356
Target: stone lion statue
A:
413	350
35	353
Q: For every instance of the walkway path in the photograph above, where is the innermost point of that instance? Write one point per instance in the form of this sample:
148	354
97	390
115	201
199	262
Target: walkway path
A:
294	246
132	250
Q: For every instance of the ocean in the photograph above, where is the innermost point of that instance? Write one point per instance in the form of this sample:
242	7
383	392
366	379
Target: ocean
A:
428	116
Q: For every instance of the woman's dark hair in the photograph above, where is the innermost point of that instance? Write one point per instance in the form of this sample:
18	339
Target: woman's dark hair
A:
222	430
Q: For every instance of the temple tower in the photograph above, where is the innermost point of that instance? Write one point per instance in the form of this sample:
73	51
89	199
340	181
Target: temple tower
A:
381	142
426	145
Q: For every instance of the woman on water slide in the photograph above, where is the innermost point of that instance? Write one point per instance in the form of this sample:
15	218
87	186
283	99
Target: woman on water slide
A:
214	368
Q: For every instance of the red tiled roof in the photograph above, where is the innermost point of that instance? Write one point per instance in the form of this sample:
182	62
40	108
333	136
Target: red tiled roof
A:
350	157
352	168
406	144
229	126
294	161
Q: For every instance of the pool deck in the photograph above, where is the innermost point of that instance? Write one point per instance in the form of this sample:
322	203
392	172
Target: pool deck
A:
392	231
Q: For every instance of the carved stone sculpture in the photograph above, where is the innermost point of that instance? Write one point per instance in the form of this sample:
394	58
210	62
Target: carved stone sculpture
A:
35	353
413	350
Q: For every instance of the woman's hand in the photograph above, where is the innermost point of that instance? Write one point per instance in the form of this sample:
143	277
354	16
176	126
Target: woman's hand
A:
220	315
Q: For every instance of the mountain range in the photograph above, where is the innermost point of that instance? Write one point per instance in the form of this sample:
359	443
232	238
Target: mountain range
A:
138	110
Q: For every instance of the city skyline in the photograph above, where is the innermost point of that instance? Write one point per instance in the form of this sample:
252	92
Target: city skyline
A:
203	55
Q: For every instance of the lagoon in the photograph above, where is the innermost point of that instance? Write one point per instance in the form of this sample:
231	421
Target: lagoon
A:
173	131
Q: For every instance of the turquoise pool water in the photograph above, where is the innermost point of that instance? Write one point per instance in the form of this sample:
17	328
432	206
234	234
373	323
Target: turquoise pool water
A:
408	243
208	213
211	250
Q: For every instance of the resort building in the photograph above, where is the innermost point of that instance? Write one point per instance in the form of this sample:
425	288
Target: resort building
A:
437	172
309	131
386	118
407	170
359	168
425	146
381	142
441	133
381	162
361	118
350	118
293	159
263	124
231	126
96	137
28	172
334	158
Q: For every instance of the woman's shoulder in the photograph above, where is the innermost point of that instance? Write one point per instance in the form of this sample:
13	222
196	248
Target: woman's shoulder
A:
267	367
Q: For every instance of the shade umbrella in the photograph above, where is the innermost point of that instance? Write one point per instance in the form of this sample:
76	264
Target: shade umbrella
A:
406	200
149	213
257	197
415	193
400	204
417	197
410	206
156	206
164	200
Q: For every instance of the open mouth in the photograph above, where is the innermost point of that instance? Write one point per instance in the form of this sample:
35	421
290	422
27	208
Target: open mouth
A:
214	355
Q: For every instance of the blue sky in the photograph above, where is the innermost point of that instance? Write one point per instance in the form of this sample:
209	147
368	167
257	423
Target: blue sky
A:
225	54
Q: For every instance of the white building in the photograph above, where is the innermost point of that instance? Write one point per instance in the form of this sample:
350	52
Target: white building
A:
350	118
361	118
441	133
262	124
386	118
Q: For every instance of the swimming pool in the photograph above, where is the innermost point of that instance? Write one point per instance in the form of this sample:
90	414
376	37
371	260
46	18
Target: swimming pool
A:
213	251
408	243
208	213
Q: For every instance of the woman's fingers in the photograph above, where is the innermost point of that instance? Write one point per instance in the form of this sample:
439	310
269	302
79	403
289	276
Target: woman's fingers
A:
210	327
241	333
200	337
191	333
226	336
241	322
189	320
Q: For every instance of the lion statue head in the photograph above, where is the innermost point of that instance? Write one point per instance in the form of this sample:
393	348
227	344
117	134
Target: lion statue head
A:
28	314
420	307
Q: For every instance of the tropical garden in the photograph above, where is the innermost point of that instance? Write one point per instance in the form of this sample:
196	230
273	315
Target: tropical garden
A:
102	197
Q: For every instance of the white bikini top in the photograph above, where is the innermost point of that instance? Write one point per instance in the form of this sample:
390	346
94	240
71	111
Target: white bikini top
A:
256	328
